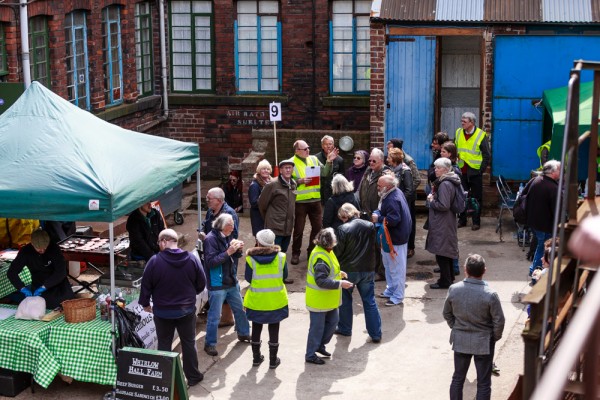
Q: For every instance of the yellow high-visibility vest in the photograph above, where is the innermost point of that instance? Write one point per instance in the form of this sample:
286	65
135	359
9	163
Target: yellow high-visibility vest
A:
267	291
304	192
469	151
319	299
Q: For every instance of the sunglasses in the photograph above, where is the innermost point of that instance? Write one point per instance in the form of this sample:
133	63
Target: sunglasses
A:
306	148
372	161
358	158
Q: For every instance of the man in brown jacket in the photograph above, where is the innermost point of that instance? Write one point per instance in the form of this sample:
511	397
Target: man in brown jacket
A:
277	204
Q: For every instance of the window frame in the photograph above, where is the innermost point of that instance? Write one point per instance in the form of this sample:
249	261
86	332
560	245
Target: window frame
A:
34	62
73	29
258	53
3	53
193	66
143	23
355	40
108	61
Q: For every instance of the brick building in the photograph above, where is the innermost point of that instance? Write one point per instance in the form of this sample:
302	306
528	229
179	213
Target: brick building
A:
225	61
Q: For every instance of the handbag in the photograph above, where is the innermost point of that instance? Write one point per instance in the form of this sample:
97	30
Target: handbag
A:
384	241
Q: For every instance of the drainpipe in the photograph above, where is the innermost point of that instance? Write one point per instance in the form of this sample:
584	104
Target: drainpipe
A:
163	61
23	20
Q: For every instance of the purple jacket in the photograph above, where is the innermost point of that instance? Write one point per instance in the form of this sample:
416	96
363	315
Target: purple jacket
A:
172	278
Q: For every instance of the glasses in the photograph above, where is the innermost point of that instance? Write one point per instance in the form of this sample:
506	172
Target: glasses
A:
372	161
304	149
358	158
165	240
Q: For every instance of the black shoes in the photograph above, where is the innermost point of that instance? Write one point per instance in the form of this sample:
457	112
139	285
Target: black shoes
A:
437	286
475	227
324	352
211	351
315	360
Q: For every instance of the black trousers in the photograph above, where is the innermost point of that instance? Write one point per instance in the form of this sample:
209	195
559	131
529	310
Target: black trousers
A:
474	185
446	270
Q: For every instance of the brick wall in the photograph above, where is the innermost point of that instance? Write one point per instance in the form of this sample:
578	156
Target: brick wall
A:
377	106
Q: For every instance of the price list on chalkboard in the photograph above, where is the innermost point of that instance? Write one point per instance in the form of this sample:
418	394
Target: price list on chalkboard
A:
149	374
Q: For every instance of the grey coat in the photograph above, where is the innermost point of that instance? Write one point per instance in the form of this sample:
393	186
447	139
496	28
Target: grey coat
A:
474	313
276	204
442	237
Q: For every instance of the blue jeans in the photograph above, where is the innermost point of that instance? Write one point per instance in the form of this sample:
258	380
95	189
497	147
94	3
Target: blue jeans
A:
395	273
216	299
539	250
320	332
365	283
283	242
483	365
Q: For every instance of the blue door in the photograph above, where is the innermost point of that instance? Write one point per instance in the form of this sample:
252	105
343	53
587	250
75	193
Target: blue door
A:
525	66
410	94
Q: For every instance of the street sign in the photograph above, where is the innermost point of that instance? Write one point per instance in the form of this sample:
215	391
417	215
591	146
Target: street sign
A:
275	112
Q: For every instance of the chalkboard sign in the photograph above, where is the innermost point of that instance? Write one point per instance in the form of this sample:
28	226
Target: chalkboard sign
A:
149	374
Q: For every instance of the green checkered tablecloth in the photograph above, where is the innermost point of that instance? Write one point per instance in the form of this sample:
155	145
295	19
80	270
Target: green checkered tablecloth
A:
6	287
24	347
83	350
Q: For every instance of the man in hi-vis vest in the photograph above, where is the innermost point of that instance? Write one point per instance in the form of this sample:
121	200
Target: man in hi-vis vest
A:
307	174
473	149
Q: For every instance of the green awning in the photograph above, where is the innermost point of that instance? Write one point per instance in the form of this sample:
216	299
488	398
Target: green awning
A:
59	162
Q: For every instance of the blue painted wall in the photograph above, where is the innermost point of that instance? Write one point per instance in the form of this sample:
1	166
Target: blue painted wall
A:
410	95
525	66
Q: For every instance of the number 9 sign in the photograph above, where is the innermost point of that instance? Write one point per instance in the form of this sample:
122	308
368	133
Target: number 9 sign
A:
275	111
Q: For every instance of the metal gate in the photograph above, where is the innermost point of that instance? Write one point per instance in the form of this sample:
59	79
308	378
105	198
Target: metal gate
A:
411	93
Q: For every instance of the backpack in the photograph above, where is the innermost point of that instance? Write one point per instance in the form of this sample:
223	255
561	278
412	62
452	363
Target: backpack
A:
519	210
459	203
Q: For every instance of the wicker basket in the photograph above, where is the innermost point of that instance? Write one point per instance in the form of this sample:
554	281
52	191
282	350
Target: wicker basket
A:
79	310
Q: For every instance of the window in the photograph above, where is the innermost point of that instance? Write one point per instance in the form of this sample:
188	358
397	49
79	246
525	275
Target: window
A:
191	46
111	47
39	50
78	87
3	64
350	56
143	48
258	47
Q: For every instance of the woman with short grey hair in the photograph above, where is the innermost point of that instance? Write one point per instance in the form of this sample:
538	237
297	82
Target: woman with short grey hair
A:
442	236
343	192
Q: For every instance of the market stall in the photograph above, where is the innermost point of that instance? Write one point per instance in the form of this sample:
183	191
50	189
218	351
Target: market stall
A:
62	163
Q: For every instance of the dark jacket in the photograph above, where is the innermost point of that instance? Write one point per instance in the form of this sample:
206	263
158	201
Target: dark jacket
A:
48	269
337	168
277	204
355	249
234	195
330	218
220	267
355	175
368	197
394	209
405	181
256	220
172	278
541	202
143	233
442	236
211	216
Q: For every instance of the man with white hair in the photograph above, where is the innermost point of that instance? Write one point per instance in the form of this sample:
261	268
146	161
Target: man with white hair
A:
542	193
172	278
327	146
215	201
394	215
473	147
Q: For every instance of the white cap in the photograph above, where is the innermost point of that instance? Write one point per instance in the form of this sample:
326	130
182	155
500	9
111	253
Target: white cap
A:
266	237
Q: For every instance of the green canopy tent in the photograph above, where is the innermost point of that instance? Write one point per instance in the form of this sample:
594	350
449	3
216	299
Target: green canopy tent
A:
59	162
555	103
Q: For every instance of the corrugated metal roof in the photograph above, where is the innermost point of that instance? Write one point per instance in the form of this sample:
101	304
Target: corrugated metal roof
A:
520	11
512	10
567	11
459	10
408	10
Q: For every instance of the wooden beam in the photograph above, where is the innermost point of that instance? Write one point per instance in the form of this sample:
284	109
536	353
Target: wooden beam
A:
417	31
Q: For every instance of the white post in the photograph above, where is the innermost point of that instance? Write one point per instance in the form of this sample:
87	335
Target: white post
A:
24	22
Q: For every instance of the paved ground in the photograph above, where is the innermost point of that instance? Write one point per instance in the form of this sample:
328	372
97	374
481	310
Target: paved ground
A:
413	361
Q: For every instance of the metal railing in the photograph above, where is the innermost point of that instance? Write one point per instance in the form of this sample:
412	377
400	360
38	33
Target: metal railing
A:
566	329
